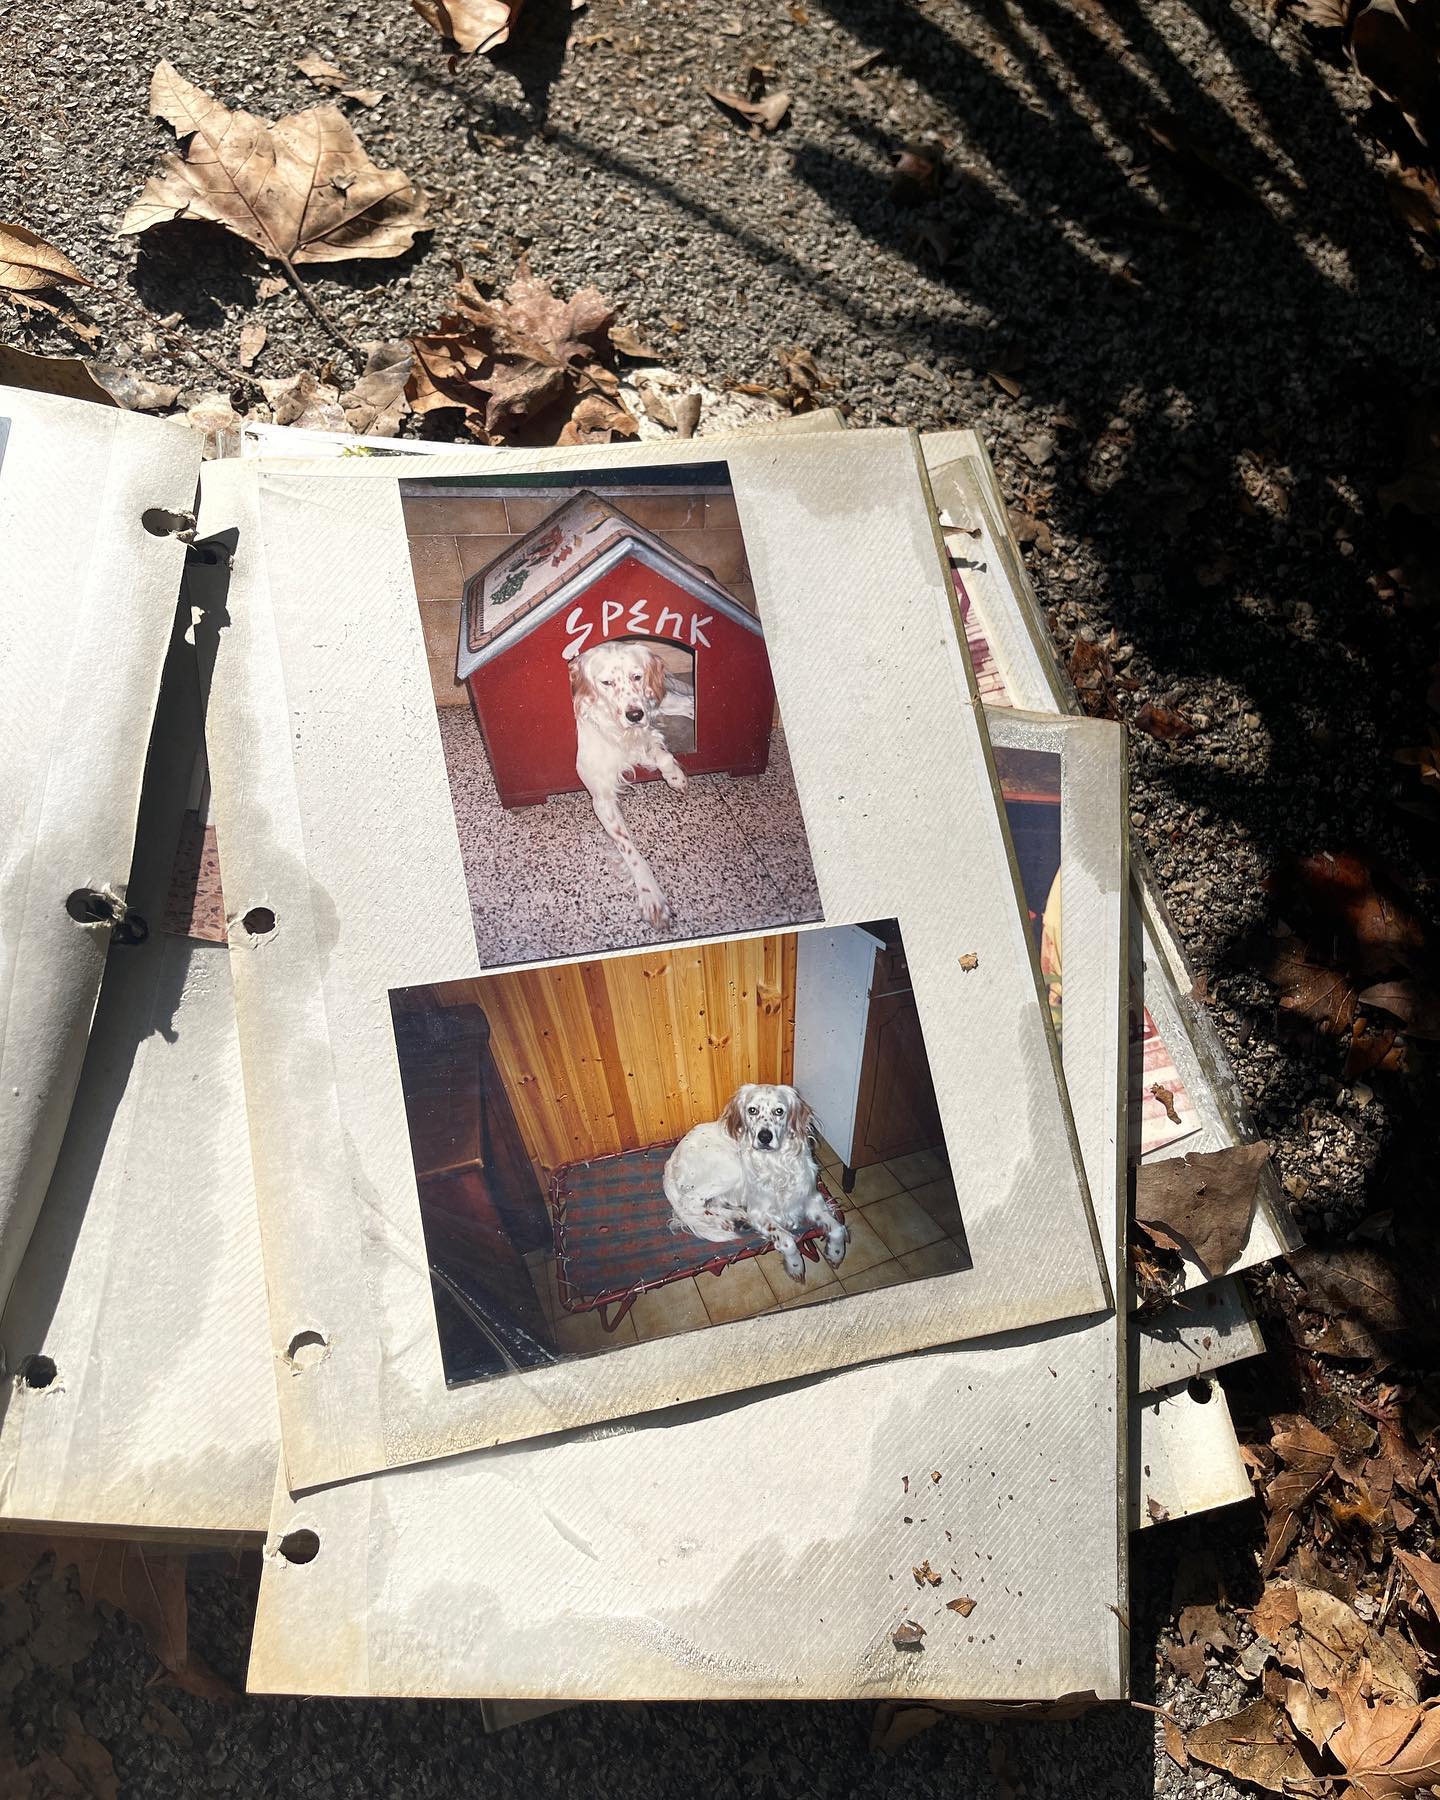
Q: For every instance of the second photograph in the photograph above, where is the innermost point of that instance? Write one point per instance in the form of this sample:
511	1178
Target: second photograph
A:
618	1150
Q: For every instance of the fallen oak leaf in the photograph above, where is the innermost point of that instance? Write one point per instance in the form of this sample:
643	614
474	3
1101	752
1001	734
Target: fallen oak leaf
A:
1206	1199
28	265
764	114
473	26
300	191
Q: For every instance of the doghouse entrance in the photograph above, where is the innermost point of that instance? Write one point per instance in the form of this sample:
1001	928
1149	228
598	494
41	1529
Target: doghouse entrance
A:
676	716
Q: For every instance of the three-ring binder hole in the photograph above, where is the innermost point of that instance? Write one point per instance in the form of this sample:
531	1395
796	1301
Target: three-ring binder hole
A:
300	1546
87	906
37	1371
160	523
1200	1391
306	1349
258	921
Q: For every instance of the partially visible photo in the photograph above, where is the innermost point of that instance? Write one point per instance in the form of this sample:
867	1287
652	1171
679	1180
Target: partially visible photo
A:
616	757
614	1151
1030	787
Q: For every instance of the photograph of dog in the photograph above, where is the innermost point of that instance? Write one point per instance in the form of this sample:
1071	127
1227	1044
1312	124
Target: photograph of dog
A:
612	742
620	693
753	1170
665	1141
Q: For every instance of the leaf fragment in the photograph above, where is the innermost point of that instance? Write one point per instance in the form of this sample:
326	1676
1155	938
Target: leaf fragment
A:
765	114
1205	1199
1253	1745
964	1606
908	1635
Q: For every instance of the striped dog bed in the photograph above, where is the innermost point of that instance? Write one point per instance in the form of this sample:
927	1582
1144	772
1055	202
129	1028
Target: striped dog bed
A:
615	1237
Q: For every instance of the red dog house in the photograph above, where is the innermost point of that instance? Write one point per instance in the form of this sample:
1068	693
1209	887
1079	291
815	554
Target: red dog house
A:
589	574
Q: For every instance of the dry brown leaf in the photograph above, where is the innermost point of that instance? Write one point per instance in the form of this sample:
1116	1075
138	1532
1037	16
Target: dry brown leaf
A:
1174	1742
376	404
1276	1611
1164	723
1317	1717
28	265
65	375
328	75
765	113
1206	1199
1425	1574
1205	1626
1254	1746
305	401
1359	1293
506	362
925	1574
964	1606
1387	1748
1331	1639
1187	1660
136	393
1415	1005
597	419
1322	995
472	26
301	190
628	343
907	1635
252	342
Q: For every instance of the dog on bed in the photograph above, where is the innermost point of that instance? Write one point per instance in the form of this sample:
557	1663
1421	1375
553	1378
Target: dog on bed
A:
752	1170
619	693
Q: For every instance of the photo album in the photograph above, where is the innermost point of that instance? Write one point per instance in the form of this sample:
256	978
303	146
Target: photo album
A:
617	978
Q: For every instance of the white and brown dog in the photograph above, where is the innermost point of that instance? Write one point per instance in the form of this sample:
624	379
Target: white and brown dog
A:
752	1170
619	692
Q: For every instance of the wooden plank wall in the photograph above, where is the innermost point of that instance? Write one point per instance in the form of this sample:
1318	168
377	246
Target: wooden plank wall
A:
634	1050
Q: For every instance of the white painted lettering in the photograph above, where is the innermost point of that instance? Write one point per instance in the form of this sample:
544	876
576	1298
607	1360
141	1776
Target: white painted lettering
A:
697	628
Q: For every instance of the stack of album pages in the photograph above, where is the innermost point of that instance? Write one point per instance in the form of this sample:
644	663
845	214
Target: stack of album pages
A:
574	1023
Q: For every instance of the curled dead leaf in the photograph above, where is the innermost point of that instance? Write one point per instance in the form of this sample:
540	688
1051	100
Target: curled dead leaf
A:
301	190
473	26
765	114
1164	723
28	265
964	1606
925	1574
908	1635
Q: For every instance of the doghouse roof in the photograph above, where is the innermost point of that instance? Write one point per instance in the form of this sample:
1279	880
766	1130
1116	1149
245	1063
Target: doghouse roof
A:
554	564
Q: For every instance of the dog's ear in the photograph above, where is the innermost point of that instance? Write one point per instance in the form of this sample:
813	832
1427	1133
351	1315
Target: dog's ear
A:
801	1117
582	688
733	1117
654	677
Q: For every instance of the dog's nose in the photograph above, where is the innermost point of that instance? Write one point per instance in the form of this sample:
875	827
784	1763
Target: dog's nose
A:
764	1135
634	714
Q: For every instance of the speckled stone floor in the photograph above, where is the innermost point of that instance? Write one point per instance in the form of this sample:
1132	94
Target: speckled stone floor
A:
545	882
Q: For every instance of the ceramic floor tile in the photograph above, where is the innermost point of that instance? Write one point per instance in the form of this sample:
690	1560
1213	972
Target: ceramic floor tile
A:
546	882
767	809
874	1183
866	1247
738	1292
663	1311
582	1334
825	1154
924	1166
941	1202
817	1275
902	1223
883	1275
943	1258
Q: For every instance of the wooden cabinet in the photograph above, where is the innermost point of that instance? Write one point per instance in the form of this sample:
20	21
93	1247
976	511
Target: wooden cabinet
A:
860	1056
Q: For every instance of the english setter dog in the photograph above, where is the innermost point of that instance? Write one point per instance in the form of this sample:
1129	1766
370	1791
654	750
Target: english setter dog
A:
619	692
752	1170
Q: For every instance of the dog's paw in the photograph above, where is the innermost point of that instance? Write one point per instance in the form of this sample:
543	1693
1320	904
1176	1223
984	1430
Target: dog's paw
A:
653	909
795	1267
676	777
836	1244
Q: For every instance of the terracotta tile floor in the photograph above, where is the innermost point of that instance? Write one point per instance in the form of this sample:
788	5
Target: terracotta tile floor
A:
904	1225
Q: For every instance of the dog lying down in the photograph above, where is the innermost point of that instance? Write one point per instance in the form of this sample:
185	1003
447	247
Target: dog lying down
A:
752	1170
623	704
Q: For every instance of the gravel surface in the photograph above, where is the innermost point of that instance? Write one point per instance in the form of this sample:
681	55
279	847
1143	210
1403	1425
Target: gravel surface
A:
1211	347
